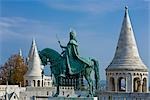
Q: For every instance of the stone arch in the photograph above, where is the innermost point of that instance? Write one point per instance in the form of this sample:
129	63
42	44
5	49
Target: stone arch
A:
38	83
144	85
122	84
112	84
136	84
26	83
34	83
48	83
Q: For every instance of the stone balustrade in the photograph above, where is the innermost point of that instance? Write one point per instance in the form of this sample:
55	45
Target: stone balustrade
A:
122	96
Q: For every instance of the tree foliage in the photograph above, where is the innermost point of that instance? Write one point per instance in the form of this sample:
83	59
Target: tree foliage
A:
13	70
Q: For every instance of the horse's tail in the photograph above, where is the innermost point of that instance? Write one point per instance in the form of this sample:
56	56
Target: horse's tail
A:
96	71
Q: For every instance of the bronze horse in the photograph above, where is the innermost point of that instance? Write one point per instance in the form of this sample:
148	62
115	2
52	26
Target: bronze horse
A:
57	63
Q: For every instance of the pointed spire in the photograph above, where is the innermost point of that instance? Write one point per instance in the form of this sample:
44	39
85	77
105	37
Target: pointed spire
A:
126	55
127	47
34	62
126	11
30	55
20	52
32	48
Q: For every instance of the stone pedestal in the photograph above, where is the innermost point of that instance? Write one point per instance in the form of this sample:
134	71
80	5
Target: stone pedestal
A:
72	98
63	98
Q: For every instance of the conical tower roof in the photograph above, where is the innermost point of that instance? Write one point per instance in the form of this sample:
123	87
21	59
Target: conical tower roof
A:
20	53
126	55
34	63
31	49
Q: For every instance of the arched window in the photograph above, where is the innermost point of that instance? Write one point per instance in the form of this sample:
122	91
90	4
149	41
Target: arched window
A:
136	84
48	83
34	83
144	85
122	84
112	84
26	82
38	83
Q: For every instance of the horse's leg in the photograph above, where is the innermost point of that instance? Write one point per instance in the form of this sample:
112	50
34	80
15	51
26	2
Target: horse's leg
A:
57	86
87	75
96	72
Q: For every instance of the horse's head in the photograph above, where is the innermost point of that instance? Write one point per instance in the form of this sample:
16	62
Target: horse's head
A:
49	55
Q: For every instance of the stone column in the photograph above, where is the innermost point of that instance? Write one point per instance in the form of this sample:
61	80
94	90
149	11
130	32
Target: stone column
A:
140	86
126	83
116	83
31	83
147	84
129	85
35	83
40	83
107	84
131	82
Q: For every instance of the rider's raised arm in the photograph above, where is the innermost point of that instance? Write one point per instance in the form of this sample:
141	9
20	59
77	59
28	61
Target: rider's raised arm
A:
61	45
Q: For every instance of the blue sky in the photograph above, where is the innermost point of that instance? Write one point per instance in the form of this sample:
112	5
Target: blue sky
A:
96	22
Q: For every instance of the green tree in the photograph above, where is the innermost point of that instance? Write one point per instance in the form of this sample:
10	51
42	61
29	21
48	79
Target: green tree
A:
13	70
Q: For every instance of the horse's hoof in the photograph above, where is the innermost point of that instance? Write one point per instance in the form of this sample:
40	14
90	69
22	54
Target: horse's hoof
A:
79	95
56	95
89	95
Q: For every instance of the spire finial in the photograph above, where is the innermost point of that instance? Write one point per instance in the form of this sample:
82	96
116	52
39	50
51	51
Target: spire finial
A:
33	39
126	7
126	10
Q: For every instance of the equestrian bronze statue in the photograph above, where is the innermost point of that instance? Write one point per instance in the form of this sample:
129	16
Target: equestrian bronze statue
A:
69	62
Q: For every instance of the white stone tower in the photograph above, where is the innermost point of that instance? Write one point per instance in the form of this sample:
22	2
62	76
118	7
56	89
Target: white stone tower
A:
127	72
33	77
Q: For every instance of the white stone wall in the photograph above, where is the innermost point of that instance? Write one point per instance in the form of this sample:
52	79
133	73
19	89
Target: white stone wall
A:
33	81
67	90
10	89
122	96
45	91
129	77
36	91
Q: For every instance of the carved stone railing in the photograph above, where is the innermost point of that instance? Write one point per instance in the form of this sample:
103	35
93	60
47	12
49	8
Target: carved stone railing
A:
122	96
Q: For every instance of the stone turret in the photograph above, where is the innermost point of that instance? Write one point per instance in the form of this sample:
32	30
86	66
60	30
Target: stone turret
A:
34	77
34	63
127	72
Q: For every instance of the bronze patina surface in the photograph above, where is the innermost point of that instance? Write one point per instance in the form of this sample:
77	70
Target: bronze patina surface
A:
69	62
